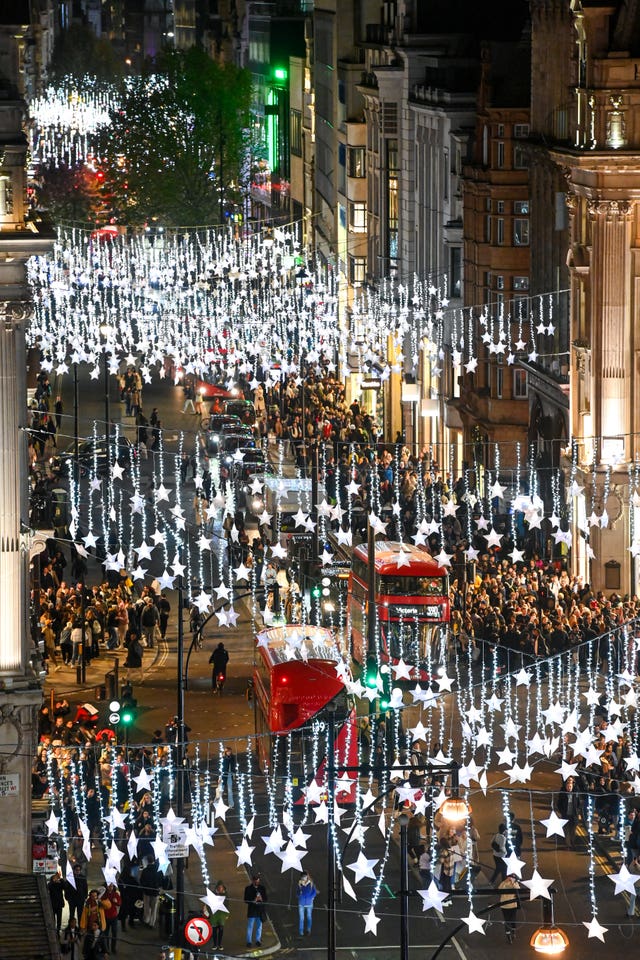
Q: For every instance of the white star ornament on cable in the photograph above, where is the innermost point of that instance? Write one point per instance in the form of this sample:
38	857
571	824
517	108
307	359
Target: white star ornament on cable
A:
433	898
538	886
371	922
595	929
475	924
554	825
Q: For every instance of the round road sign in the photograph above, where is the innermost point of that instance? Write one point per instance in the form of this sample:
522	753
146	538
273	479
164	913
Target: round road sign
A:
197	931
114	718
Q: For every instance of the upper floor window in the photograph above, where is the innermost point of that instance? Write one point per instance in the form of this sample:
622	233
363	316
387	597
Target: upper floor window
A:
357	269
296	133
520	383
357	162
520	159
521	232
358	217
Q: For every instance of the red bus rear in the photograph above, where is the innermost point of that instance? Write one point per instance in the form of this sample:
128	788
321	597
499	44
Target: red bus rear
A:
294	679
412	605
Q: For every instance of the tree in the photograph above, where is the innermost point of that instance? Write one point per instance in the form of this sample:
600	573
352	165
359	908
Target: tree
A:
177	146
70	193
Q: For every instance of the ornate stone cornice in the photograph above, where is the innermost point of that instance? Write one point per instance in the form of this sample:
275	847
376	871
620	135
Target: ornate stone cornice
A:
13	312
609	209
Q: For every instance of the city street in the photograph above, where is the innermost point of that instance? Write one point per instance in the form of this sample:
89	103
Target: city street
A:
230	719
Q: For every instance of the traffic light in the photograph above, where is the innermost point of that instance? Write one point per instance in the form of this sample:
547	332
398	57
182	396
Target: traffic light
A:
371	673
127	717
385	696
316	591
129	704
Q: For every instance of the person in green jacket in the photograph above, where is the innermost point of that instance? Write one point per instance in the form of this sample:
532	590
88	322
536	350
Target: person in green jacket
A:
218	919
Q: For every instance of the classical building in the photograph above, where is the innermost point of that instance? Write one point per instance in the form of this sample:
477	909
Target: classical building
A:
20	238
601	164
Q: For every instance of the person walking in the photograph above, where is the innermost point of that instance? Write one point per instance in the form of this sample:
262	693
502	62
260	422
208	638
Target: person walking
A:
149	620
76	895
111	902
94	946
447	861
164	609
509	904
150	883
92	912
135	655
218	919
189	396
71	940
307	892
499	850
55	886
255	897
228	773
569	809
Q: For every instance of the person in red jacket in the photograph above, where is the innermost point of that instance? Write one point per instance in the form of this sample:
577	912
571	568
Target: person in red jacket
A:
111	902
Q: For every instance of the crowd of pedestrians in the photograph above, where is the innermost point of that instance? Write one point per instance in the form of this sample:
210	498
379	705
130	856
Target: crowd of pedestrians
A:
76	621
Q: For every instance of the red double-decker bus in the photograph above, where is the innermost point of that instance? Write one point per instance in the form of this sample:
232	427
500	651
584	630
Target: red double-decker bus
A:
411	601
294	679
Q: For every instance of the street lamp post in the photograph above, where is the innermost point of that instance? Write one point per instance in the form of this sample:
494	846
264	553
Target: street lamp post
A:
403	820
180	757
331	855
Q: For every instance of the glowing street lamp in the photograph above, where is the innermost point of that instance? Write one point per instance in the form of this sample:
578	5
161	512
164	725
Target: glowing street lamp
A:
454	809
549	939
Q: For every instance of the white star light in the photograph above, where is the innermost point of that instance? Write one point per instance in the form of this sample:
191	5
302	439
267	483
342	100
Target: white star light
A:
371	922
554	825
624	881
214	902
244	852
538	886
595	929
475	924
433	898
362	867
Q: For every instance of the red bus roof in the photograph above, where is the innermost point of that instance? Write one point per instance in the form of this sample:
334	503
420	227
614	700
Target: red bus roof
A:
296	642
417	562
301	665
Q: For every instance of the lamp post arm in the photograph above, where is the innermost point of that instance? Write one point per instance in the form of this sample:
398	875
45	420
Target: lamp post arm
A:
460	927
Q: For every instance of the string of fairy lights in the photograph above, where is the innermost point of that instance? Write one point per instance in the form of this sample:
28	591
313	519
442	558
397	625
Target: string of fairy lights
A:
263	308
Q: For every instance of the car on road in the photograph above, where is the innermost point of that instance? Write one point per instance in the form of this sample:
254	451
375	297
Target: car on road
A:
255	466
92	454
216	424
243	409
233	442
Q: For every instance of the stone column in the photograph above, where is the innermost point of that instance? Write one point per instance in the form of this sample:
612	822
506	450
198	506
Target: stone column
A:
12	440
611	322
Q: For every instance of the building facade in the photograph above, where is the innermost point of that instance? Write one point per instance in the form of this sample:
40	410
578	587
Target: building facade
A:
20	238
